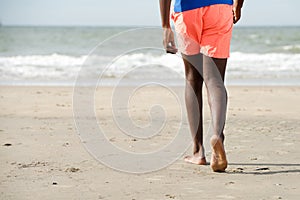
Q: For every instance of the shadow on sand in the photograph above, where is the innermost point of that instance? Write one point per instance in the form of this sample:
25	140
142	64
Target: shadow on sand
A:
266	170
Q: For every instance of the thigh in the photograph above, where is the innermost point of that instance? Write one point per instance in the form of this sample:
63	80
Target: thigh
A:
221	65
214	69
193	67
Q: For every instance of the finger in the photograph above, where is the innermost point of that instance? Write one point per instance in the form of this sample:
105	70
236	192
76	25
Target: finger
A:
234	16
171	49
173	44
236	19
166	44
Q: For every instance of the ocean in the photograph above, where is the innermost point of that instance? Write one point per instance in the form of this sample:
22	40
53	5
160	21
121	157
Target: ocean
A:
59	55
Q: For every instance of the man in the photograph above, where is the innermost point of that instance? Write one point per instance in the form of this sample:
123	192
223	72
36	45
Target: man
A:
203	29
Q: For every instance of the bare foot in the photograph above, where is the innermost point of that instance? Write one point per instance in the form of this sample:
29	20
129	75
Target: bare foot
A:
218	158
195	159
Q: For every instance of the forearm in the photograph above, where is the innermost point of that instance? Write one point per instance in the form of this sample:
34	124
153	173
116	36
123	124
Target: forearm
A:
165	12
238	3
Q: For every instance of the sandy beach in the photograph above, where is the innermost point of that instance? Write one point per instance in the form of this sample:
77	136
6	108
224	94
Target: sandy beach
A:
42	156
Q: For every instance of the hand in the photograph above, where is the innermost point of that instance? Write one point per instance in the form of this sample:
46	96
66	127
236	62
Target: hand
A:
236	12
168	41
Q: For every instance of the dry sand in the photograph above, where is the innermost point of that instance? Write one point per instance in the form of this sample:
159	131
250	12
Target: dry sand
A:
42	156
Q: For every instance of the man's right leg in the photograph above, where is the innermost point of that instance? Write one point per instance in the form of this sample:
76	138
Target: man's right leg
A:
193	99
213	73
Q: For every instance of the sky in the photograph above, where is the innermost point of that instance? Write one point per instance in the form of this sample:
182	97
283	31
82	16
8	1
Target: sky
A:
131	12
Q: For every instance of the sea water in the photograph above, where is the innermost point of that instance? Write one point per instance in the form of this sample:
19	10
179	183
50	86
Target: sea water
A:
57	55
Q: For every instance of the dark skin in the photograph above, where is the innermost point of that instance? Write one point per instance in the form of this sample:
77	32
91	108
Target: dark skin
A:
195	80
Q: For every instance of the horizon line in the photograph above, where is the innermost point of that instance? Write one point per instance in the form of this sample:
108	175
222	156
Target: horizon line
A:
127	26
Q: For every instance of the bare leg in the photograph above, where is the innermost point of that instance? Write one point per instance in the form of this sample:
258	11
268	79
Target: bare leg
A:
217	97
221	66
193	99
213	71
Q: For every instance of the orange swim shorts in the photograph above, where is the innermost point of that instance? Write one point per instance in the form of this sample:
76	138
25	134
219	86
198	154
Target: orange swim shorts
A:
205	30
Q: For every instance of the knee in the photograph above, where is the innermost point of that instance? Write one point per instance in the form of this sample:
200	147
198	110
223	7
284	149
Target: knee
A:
216	85
193	75
195	82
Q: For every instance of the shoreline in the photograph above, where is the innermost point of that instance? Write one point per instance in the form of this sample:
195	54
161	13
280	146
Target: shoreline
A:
292	82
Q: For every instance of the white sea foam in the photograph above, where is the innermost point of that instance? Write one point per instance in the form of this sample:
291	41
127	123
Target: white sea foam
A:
57	67
294	47
269	63
42	60
43	67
